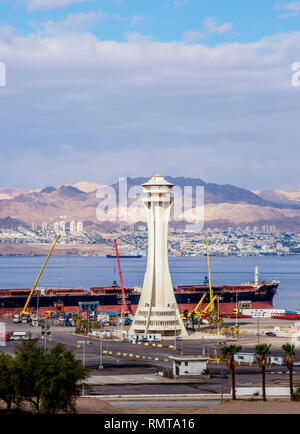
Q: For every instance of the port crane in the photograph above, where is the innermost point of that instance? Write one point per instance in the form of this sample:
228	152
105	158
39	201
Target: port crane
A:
197	312
25	310
124	304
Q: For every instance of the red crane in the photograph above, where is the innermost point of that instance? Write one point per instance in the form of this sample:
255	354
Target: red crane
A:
124	306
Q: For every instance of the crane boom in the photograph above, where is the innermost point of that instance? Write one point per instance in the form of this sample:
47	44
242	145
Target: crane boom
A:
210	288
25	311
126	310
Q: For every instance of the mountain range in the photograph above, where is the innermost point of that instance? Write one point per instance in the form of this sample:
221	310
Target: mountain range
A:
225	205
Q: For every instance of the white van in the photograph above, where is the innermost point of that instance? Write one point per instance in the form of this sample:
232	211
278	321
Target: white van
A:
19	335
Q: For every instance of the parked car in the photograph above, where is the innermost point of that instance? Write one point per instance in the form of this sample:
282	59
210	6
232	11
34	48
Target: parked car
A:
270	334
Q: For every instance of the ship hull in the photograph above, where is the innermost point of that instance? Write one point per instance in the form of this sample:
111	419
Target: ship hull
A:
187	300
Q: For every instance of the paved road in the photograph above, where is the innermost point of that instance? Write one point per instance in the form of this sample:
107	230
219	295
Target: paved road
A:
115	364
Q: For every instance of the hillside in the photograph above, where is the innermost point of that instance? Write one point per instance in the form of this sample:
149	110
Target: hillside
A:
225	205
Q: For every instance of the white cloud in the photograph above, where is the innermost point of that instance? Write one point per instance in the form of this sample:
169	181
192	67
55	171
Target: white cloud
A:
212	27
137	37
219	113
191	36
135	20
178	4
36	5
73	23
293	9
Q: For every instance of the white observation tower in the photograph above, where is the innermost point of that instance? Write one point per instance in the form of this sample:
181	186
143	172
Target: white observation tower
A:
157	311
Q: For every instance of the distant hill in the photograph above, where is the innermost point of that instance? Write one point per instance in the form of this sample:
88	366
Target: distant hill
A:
225	205
280	197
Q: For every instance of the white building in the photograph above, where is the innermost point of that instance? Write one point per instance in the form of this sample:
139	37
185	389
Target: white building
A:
44	227
56	226
189	366
157	311
245	357
79	227
73	227
62	225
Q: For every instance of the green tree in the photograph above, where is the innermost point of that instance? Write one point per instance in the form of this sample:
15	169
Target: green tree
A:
228	353
289	356
48	381
7	379
29	366
63	374
262	351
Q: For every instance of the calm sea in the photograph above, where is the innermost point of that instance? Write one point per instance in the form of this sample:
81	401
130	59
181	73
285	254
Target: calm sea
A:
85	272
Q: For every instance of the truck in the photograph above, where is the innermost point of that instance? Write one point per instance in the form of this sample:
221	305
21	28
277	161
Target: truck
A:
16	318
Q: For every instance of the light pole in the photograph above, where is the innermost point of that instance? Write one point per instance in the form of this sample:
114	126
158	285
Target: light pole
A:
174	306
258	330
83	359
222	386
101	353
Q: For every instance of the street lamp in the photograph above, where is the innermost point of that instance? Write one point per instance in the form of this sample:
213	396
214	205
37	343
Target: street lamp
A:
101	353
174	307
222	385
83	359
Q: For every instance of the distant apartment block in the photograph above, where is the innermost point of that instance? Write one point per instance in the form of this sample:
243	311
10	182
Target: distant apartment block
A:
73	227
79	227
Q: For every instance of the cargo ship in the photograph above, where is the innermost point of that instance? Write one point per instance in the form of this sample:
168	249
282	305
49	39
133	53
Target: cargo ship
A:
250	295
125	256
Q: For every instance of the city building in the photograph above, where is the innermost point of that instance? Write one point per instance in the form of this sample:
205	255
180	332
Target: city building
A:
62	226
79	227
189	366
73	227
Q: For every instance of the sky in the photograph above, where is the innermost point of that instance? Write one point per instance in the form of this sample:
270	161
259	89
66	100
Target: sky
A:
101	89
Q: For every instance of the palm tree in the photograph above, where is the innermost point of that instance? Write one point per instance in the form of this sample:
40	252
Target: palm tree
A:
232	331
220	324
226	329
228	353
262	351
186	314
289	362
192	315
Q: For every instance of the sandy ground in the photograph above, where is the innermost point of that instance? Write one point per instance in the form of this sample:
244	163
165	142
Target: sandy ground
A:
96	406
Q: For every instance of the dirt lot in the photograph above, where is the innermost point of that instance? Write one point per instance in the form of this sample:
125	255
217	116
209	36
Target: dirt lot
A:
96	406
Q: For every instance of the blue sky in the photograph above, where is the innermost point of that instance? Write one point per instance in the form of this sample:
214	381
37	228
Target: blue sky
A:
163	20
98	89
